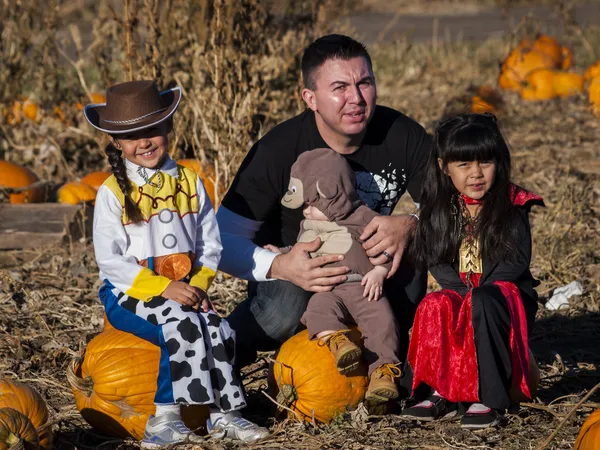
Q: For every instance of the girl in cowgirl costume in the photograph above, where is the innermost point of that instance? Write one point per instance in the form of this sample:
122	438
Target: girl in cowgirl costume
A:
158	247
469	340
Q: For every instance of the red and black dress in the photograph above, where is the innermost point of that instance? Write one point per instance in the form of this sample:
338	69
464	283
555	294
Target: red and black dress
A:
470	340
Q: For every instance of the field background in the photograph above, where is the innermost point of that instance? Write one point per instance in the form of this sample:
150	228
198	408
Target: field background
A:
238	63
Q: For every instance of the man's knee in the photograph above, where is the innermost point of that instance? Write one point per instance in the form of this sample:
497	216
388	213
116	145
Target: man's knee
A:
277	306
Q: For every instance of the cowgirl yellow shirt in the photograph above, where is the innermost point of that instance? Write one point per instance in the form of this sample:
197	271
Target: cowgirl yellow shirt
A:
177	218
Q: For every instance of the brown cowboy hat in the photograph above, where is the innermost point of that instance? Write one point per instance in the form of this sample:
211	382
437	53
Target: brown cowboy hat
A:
132	106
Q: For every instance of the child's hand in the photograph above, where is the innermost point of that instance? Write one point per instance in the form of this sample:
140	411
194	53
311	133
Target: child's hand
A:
272	248
373	283
185	294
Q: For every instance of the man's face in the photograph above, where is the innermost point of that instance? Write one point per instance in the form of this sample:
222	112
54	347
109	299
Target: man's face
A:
344	96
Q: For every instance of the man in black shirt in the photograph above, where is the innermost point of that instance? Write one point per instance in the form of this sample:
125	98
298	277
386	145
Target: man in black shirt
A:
387	151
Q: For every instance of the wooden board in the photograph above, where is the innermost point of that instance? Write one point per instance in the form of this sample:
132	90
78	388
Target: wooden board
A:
43	224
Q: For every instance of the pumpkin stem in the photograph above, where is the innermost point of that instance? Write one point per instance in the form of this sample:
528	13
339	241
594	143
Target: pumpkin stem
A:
287	395
83	385
15	442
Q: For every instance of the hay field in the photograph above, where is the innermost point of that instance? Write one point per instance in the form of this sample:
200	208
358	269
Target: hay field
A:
48	297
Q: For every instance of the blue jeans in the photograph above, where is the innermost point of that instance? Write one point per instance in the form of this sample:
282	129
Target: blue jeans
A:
271	313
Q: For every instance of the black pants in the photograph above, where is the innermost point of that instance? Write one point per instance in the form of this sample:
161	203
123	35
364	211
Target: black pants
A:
271	313
491	323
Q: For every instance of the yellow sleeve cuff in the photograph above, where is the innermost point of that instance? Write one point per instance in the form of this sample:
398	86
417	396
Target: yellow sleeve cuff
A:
147	285
201	277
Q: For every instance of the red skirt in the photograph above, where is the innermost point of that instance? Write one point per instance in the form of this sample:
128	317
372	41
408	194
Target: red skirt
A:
442	348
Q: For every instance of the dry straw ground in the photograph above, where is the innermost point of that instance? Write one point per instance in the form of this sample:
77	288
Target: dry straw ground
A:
239	70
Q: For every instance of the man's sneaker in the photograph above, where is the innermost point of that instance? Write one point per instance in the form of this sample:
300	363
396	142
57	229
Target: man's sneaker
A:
167	429
479	416
347	354
382	385
433	408
238	429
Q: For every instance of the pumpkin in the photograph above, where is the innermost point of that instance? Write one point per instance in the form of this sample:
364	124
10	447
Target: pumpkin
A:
589	435
304	378
486	99
592	72
96	98
28	402
76	192
15	176
17	431
31	111
534	381
528	56
207	173
114	383
545	84
594	95
95	179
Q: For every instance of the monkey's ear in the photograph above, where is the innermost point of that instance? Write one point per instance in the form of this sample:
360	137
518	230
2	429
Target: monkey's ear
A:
326	190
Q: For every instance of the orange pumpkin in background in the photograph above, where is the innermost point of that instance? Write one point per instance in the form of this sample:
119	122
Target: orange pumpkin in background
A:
207	173
592	72
95	179
15	176
487	99
543	53
76	192
594	95
304	378
589	435
114	383
28	402
545	84
96	98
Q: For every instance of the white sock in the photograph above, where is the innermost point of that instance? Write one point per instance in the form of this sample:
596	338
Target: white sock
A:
165	408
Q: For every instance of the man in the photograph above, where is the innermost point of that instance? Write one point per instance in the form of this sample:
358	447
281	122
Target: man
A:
387	151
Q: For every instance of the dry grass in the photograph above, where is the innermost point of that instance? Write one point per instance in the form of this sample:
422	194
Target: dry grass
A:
236	89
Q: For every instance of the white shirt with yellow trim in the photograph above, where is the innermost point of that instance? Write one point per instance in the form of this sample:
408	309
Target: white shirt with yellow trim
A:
178	218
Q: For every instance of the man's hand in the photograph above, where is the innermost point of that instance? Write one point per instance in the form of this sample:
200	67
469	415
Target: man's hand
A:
298	267
185	294
388	234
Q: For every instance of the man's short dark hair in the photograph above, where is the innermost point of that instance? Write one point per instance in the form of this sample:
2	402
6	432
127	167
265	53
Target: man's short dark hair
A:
332	46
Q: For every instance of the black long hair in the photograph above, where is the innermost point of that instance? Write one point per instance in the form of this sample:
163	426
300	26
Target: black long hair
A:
119	170
468	137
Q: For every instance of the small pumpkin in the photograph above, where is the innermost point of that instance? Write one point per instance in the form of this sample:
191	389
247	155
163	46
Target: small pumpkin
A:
96	98
486	99
17	431
76	192
304	378
594	95
28	402
545	84
114	383
31	110
549	47
95	179
15	176
207	173
589	435
592	72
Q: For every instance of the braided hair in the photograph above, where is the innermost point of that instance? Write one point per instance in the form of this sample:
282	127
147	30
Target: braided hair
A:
120	172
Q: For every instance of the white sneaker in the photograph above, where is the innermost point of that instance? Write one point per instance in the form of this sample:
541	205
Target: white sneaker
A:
167	429
237	428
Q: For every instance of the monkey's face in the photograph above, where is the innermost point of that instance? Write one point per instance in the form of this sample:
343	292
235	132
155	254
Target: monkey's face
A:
294	197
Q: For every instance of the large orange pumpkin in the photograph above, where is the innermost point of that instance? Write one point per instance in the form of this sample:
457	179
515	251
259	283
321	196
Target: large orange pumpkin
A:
115	382
15	176
95	179
27	401
545	84
528	56
304	378
76	192
17	431
207	173
592	72
589	435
